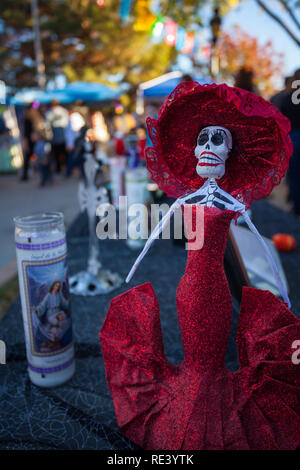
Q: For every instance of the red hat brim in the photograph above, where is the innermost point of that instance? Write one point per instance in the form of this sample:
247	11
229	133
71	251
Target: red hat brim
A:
261	144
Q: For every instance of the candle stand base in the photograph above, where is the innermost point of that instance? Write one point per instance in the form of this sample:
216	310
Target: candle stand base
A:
86	283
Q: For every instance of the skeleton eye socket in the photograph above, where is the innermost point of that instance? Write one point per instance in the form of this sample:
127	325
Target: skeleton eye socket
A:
217	139
202	139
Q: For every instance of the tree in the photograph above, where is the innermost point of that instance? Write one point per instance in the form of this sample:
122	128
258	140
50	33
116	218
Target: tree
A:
85	41
242	50
291	7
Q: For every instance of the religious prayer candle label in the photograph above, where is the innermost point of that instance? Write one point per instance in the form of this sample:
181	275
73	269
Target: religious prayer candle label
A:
43	280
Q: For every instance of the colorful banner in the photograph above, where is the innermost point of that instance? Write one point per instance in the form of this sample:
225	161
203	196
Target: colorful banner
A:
157	30
124	10
144	17
188	43
171	32
180	38
173	35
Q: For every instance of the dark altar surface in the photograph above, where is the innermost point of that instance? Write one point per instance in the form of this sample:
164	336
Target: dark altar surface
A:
80	414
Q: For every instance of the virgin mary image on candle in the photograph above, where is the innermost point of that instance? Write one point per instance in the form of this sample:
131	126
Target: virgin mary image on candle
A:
51	316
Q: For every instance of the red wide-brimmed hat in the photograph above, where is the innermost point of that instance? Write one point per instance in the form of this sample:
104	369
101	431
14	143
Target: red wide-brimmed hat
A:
261	144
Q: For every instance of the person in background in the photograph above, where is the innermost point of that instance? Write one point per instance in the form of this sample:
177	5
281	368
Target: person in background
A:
42	151
32	123
79	149
245	79
186	78
119	144
3	128
131	149
72	132
290	107
58	118
278	98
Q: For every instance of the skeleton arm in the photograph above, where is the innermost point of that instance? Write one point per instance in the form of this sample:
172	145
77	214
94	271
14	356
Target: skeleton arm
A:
209	194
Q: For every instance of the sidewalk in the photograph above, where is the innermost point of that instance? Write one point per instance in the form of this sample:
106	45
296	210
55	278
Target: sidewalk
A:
23	198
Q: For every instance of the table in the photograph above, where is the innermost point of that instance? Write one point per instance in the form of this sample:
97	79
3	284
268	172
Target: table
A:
80	414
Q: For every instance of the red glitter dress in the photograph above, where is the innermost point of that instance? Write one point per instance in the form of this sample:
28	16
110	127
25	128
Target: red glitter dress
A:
200	404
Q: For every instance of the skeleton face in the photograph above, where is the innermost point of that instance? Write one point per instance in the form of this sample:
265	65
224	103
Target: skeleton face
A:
213	146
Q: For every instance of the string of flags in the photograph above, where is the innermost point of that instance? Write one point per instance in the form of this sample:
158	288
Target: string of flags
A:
165	29
160	28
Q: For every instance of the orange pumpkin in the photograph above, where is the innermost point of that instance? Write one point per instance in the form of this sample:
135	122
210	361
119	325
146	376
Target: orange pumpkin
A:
284	242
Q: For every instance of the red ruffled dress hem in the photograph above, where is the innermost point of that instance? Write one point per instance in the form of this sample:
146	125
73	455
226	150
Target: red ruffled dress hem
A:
200	404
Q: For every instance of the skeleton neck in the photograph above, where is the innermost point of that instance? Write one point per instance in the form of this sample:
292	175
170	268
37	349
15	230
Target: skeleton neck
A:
211	189
213	185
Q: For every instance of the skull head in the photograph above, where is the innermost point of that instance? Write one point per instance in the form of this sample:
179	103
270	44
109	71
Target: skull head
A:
213	146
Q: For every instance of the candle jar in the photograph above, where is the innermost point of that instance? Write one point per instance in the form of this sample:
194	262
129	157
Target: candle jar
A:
136	181
43	280
117	169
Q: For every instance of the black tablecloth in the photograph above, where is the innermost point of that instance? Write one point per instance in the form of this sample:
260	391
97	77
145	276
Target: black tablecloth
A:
80	414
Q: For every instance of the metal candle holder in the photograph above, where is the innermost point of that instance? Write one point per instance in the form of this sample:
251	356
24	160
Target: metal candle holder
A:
95	280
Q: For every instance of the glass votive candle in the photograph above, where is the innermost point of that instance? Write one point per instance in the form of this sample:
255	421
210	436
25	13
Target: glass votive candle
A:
43	279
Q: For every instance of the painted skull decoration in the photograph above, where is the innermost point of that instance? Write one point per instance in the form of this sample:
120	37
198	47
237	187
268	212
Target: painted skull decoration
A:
213	146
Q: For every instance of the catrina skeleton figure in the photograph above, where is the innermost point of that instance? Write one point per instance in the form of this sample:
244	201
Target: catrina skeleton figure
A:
220	147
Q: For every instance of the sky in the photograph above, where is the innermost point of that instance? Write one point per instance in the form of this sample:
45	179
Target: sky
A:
256	23
251	19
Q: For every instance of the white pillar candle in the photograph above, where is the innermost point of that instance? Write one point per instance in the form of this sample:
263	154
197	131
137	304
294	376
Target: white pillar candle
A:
44	290
136	181
117	170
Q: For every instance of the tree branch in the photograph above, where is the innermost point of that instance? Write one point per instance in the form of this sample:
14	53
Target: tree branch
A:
290	12
279	21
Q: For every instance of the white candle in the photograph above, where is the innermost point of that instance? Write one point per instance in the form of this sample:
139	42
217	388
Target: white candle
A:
136	181
43	280
117	169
